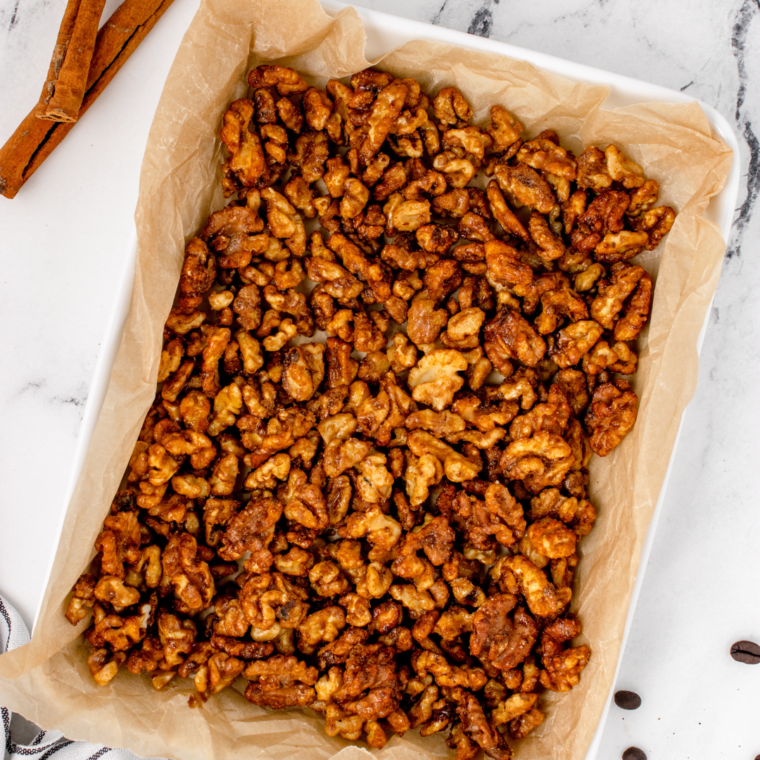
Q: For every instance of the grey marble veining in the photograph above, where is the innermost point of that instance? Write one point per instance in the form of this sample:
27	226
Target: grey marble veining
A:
700	590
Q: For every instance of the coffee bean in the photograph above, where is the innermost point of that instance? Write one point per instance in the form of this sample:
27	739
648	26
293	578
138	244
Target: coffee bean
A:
627	700
746	651
634	753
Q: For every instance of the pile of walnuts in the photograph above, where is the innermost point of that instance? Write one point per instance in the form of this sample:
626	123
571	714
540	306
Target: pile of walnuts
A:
384	526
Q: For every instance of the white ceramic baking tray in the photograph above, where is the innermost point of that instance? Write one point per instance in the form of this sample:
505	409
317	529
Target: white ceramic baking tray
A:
383	33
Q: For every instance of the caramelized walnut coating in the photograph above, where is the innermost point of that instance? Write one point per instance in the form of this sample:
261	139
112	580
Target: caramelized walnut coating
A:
363	481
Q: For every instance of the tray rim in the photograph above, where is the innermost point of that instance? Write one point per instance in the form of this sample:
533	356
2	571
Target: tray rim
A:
720	210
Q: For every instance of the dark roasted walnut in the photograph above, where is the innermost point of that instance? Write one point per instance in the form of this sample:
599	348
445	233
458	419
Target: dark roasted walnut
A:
382	524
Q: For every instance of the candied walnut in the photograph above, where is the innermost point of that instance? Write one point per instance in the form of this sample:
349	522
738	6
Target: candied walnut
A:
477	727
436	238
252	529
355	198
612	296
104	665
436	539
574	342
557	304
183	318
284	222
457	171
621	169
610	416
297	561
198	269
375	579
592	170
563	670
551	538
303	371
540	461
266	475
521	726
171	356
543	599
434	379
280	681
246	162
270	602
320	627
232	233
247	306
513	707
402	257
402	355
643	198
358	611
586	279
406	216
445	674
503	214
470	142
472	226
572	209
119	543
656	222
508	336
227	406
317	108
370	272
425	322
304	502
526	187
548	157
381	530
187	573
620	246
504	130
550	247
117	632
286	80
457	467
605	358
383	114
485	418
504	267
556	634
551	416
451	108
440	424
572	383
83	598
421	474
111	589
311	152
373	482
501	517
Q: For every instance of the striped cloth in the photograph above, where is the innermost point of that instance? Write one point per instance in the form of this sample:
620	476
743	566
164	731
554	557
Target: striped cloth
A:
46	744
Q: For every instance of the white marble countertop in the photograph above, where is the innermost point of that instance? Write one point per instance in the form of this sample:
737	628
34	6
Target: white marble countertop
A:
61	250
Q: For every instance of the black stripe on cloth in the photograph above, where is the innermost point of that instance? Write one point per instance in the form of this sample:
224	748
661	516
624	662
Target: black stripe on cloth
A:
102	751
7	617
7	727
53	750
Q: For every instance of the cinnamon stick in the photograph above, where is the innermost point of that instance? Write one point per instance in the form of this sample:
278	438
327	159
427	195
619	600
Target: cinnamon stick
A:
35	139
64	89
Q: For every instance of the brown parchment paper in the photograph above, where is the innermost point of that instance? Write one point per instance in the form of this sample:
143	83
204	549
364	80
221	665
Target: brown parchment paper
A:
48	680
